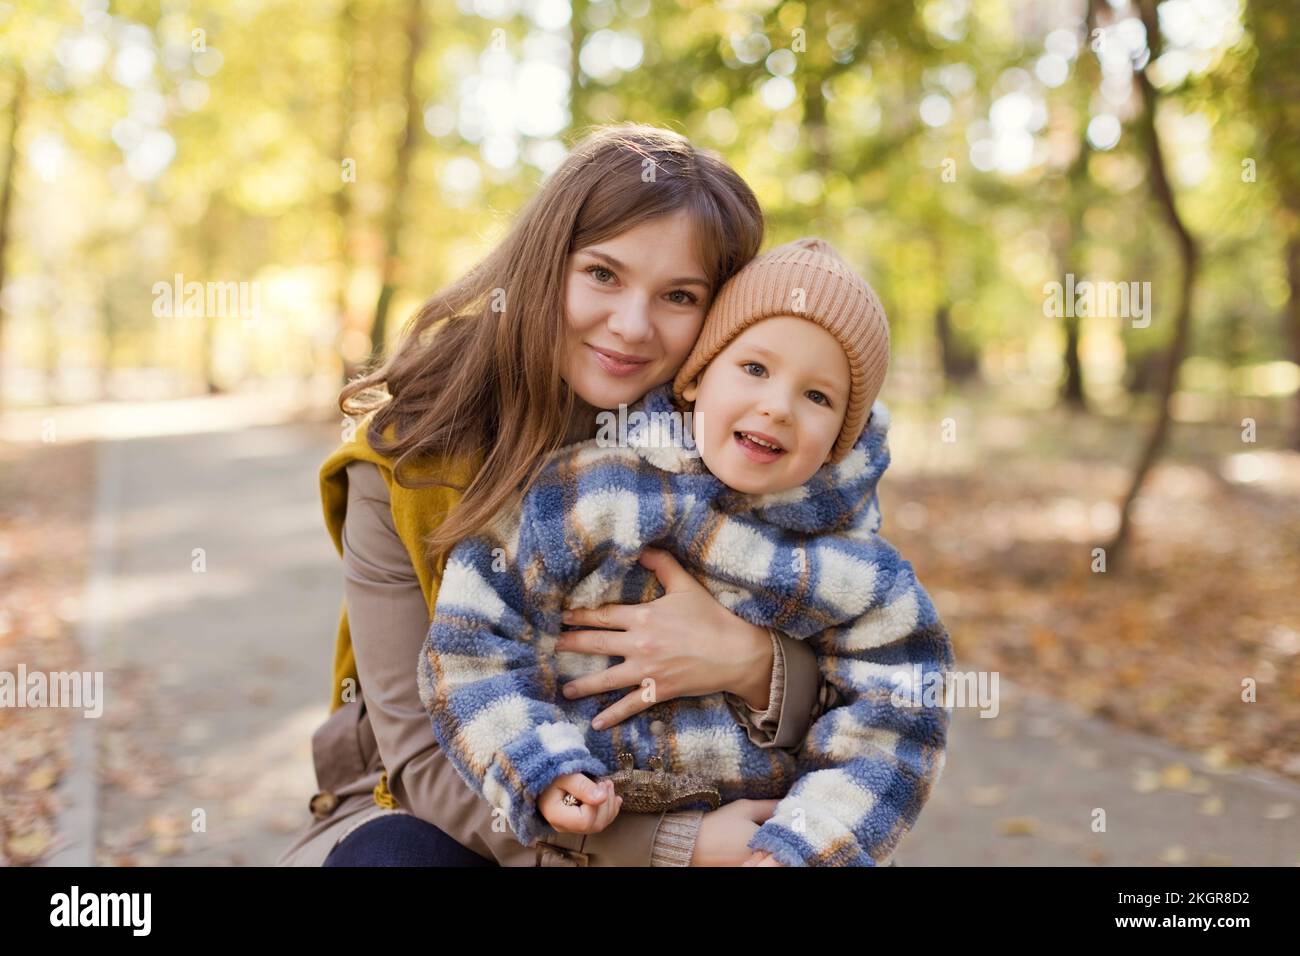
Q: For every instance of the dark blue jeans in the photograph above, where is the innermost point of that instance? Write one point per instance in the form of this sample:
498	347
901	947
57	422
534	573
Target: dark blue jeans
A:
400	839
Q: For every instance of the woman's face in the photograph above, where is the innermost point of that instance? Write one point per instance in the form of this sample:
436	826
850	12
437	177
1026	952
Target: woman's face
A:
633	306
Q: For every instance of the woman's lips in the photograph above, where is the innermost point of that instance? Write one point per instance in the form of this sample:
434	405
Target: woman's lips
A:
755	451
618	364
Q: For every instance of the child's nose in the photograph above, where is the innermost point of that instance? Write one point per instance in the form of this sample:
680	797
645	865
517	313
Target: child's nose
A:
776	406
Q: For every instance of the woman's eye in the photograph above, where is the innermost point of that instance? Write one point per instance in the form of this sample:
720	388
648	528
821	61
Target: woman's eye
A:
750	366
819	397
690	297
597	272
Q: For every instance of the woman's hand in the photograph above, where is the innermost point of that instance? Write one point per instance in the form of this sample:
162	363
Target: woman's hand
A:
685	644
725	833
598	805
762	859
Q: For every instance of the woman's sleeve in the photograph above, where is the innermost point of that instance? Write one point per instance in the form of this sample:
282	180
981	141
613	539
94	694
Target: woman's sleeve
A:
388	619
794	699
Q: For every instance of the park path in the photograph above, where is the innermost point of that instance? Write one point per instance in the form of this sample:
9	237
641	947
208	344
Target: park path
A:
211	609
216	670
1023	788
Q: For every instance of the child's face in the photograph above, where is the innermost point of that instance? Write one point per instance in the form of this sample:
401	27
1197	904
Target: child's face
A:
783	380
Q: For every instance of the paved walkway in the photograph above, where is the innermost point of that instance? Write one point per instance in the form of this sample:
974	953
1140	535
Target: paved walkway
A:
1023	789
213	618
217	670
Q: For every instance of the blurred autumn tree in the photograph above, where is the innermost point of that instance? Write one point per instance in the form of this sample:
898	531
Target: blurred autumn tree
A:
350	156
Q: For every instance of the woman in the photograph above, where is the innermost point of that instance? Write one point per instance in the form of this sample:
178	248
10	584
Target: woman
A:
594	297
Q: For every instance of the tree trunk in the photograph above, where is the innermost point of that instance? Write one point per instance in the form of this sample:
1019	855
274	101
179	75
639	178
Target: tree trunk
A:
108	330
1293	319
343	195
1072	389
956	363
401	177
1077	196
817	136
1064	242
1066	246
579	116
1274	87
1189	256
209	229
7	191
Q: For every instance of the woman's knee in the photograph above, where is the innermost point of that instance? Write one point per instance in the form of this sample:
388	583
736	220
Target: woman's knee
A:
400	839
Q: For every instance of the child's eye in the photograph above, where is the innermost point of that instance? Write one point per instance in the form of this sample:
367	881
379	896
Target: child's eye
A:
691	297
593	270
749	366
819	397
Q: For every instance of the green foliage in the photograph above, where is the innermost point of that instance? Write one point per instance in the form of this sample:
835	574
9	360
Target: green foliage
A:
896	130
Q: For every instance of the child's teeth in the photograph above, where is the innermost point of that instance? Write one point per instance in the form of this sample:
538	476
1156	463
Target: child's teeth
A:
759	441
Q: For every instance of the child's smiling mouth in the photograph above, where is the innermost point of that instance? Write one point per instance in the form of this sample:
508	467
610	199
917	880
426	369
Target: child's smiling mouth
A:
758	447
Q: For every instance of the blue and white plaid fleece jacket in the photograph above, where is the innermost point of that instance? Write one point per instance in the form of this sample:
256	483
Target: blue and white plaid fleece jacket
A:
807	562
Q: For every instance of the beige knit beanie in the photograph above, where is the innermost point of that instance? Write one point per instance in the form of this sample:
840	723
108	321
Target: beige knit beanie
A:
806	279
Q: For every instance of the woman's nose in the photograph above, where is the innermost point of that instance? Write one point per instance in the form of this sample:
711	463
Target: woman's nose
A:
630	320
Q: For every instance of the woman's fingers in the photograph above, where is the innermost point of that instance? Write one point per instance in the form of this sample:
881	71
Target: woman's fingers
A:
603	682
607	615
609	643
635	702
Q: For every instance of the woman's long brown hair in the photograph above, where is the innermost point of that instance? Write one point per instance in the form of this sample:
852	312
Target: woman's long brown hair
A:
479	369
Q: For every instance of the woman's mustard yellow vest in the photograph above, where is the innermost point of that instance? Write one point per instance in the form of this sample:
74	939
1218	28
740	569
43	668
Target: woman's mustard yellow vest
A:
417	512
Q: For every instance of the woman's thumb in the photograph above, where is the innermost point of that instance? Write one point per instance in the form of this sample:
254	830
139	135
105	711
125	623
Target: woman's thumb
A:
666	568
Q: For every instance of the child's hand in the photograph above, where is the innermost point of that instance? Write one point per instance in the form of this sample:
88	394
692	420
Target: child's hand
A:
759	858
598	804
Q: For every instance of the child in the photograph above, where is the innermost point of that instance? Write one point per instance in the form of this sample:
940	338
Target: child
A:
777	516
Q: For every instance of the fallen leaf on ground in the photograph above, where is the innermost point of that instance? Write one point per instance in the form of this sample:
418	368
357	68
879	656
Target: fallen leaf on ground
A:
1018	826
